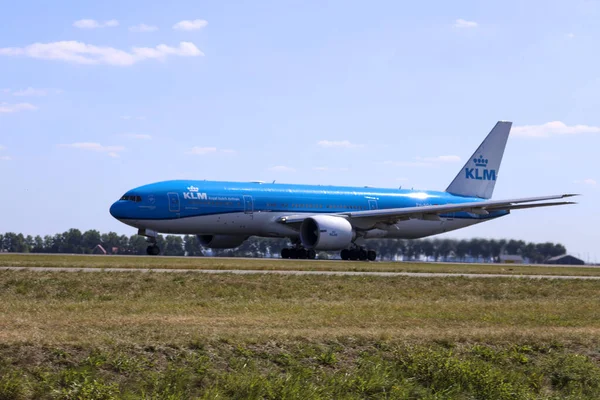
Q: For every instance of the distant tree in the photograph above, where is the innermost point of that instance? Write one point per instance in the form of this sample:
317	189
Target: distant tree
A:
445	247
427	248
496	247
90	240
14	243
72	242
462	249
137	245
173	246
160	242
110	240
38	245
48	243
192	246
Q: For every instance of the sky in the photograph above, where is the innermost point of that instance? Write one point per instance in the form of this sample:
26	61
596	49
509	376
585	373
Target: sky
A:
99	97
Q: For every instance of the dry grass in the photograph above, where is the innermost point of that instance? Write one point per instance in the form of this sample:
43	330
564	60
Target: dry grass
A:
54	307
158	335
79	261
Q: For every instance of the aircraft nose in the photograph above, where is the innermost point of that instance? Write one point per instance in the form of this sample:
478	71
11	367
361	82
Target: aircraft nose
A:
115	210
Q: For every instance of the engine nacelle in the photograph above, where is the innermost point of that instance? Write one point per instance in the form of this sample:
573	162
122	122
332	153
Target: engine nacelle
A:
221	241
326	232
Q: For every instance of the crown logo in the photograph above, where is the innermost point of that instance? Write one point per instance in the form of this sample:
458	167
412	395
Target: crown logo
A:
480	162
192	188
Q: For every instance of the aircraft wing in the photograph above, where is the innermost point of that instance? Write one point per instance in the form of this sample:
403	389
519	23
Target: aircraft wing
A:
393	215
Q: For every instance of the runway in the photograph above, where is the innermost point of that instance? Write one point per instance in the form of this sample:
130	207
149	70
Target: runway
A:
291	272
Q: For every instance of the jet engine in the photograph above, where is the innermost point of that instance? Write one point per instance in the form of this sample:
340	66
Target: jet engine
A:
326	232
221	241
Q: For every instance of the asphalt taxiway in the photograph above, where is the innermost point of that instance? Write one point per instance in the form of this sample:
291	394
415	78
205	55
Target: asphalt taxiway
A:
292	272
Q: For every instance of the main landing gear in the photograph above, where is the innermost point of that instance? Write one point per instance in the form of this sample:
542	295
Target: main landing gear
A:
358	253
298	253
153	250
355	253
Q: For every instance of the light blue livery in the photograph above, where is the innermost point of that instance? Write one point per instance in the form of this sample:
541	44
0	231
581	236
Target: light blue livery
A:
316	217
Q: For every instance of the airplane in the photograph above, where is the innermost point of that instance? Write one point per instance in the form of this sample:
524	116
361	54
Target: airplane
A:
323	218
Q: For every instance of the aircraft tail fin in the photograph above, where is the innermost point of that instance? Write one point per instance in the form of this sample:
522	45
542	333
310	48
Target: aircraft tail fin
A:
477	177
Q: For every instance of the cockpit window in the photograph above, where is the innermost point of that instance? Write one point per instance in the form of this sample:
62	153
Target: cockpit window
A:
129	197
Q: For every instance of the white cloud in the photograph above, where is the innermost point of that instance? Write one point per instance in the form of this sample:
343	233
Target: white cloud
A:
12	108
82	53
143	28
202	150
197	150
31	92
322	169
589	182
112	151
282	168
141	136
570	35
440	159
461	23
424	161
342	144
5	158
93	24
407	163
553	128
188	25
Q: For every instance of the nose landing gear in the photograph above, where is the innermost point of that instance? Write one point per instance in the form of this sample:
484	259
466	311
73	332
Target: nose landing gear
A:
153	250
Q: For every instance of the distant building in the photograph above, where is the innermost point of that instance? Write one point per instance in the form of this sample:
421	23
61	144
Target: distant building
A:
511	259
98	249
565	259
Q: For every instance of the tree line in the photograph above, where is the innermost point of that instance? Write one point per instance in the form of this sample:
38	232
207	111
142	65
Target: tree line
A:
74	241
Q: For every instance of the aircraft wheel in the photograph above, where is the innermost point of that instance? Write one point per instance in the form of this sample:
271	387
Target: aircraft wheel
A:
302	254
312	254
285	253
362	255
153	250
353	255
293	253
371	255
345	254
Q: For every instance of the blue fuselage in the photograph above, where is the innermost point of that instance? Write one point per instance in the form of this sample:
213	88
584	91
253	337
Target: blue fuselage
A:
180	199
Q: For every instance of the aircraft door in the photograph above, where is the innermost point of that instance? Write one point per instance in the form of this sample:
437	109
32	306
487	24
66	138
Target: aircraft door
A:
372	204
248	204
173	202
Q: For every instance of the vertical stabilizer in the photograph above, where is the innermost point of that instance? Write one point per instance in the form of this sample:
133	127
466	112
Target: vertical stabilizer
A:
478	176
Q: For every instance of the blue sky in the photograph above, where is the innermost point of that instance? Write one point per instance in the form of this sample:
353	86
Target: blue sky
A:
97	98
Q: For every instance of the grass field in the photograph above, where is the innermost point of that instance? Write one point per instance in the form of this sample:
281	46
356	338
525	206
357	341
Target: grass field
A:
158	335
74	261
